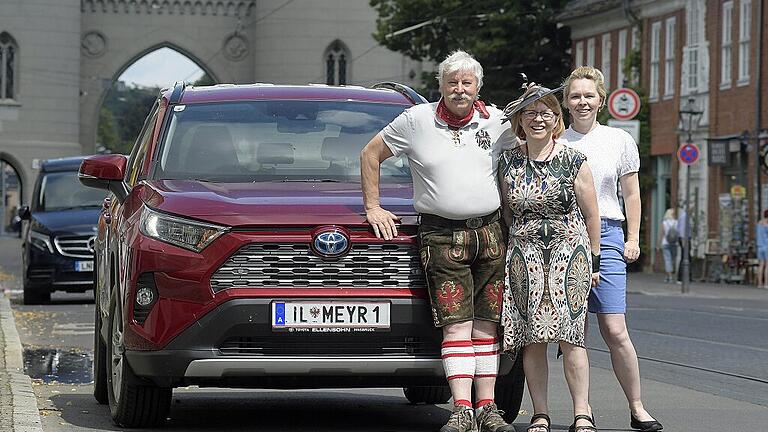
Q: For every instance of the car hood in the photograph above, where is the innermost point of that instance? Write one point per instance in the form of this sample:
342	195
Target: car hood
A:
275	203
75	221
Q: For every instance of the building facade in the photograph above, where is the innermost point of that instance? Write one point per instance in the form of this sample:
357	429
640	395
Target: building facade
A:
696	56
58	58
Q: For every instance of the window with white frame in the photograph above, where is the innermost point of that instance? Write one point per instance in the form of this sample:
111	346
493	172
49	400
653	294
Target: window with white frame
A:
726	50
653	91
691	50
9	52
579	60
670	42
745	21
590	52
605	59
621	55
336	56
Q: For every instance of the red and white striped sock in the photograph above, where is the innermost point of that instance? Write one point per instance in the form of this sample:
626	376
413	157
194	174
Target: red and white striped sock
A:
458	359
486	357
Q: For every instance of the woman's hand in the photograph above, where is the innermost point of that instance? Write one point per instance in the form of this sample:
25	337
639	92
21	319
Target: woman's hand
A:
631	250
595	279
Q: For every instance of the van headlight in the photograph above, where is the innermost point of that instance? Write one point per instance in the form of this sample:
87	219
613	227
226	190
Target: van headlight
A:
184	233
41	241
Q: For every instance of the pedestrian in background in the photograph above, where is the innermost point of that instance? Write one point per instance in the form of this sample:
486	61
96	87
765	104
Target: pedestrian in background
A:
613	157
453	148
668	237
762	251
553	253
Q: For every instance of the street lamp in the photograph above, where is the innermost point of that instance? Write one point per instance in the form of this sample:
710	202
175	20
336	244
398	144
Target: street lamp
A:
691	114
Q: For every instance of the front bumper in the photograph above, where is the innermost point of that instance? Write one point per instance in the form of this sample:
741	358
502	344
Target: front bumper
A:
234	345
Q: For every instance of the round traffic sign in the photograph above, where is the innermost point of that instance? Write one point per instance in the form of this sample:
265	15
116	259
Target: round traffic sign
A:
688	154
623	104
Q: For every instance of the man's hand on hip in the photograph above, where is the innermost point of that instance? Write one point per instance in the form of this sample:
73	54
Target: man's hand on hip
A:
383	222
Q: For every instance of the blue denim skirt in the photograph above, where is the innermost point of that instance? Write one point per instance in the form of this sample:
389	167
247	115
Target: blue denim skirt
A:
610	295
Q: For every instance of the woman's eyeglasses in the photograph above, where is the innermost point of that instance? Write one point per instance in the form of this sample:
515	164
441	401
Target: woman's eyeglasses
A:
545	115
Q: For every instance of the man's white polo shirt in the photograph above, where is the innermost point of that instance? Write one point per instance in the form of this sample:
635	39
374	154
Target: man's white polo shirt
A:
455	179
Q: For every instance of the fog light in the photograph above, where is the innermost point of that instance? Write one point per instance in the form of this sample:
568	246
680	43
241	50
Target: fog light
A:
144	296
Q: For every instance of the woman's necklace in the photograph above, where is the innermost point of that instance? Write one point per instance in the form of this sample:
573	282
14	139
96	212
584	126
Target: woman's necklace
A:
551	150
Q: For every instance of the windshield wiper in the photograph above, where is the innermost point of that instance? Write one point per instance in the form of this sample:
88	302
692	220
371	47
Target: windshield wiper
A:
81	206
310	180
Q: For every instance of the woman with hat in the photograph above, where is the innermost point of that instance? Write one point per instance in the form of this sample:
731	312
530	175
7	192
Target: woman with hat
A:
614	159
550	208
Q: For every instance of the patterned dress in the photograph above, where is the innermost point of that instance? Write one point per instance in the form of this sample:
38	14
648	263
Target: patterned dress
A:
548	267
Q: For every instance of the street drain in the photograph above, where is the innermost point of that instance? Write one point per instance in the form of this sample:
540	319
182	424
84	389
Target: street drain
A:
52	365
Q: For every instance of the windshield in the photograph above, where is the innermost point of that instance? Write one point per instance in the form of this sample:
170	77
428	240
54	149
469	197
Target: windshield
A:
62	190
283	140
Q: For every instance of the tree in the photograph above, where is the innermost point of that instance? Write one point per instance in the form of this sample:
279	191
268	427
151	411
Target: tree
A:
507	37
107	134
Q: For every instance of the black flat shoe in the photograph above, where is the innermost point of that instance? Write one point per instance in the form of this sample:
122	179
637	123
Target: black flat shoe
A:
644	426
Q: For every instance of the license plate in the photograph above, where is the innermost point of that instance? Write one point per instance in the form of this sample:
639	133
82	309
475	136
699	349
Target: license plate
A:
83	266
330	315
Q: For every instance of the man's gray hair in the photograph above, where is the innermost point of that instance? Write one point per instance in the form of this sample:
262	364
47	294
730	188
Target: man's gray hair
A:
460	61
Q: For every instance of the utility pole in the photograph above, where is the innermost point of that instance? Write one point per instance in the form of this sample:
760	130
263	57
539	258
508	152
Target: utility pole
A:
691	114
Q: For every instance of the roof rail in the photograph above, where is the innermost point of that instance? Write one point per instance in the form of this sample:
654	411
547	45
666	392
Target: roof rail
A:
178	90
410	94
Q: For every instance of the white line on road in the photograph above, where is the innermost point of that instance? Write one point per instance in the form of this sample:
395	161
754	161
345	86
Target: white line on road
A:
73	329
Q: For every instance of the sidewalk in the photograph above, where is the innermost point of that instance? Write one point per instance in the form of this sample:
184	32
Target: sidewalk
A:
653	284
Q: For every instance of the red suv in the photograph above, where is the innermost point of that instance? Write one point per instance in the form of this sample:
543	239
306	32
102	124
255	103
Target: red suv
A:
233	251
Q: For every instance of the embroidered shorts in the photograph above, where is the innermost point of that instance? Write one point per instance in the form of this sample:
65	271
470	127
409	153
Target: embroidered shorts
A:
464	268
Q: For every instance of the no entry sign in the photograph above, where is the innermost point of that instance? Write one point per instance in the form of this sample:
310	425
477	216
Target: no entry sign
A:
623	104
688	154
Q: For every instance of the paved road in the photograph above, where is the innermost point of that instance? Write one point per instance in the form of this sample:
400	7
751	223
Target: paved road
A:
703	363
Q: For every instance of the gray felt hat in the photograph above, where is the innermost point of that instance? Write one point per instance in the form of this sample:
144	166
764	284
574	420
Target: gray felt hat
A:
533	92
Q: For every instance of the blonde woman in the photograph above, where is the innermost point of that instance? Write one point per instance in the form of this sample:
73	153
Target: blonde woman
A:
613	158
668	238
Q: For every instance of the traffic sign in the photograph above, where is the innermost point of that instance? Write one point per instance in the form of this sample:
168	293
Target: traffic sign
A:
624	104
688	154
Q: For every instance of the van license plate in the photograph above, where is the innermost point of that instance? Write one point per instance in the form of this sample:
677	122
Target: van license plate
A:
83	266
330	315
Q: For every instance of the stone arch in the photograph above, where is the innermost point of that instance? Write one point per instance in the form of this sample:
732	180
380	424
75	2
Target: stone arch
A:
22	176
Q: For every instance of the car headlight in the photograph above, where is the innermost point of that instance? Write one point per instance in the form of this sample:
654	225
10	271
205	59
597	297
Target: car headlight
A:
40	241
184	233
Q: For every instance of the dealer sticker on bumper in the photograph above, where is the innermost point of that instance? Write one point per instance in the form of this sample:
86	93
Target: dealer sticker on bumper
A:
314	314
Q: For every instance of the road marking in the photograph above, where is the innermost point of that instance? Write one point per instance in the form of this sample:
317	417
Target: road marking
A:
73	329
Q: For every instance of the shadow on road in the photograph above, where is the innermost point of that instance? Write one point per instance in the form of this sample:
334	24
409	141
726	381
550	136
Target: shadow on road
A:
266	411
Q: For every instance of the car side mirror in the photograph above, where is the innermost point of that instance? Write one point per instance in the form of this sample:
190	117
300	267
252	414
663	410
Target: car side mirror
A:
23	213
105	172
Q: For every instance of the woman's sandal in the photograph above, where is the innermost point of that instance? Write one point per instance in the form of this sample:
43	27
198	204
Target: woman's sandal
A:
538	427
574	428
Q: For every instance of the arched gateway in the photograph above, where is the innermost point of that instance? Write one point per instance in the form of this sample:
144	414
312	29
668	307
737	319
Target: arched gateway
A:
66	56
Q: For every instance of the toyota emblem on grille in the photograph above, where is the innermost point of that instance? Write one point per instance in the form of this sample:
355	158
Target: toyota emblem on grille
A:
91	244
331	244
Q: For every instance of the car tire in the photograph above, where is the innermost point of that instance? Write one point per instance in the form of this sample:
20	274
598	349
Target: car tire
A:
431	395
35	295
133	403
99	351
509	390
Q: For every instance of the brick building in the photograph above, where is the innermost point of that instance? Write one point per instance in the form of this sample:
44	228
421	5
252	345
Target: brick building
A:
696	55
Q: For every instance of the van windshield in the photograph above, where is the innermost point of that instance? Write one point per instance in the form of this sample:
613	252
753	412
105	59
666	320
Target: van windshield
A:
278	140
62	191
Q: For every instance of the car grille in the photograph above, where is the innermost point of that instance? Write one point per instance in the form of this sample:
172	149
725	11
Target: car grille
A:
75	246
330	345
294	265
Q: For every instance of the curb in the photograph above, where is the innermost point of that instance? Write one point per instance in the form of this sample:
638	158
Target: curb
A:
24	416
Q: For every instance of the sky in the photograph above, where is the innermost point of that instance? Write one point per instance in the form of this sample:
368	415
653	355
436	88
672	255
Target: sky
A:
161	68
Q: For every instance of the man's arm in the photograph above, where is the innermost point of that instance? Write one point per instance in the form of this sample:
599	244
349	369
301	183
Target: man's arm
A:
382	221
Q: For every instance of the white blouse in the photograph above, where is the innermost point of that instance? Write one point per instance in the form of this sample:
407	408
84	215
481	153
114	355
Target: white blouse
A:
611	154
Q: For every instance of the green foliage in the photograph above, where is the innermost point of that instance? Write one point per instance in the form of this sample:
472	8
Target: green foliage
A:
128	107
107	134
205	80
506	36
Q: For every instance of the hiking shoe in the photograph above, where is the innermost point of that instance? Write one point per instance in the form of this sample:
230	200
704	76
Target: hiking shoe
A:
490	420
461	420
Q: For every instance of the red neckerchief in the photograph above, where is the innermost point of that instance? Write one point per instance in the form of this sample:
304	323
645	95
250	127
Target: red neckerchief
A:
457	122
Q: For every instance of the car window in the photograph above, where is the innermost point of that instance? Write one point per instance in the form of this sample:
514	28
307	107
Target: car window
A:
140	150
62	191
275	141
